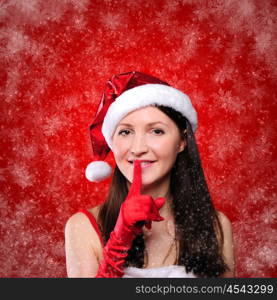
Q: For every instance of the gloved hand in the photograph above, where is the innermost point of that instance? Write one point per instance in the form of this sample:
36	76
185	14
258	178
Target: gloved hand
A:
136	211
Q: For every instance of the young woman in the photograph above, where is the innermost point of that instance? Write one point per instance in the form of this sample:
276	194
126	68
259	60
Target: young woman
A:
158	219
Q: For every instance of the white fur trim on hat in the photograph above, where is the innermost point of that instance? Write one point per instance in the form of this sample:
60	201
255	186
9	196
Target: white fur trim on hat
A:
142	96
98	170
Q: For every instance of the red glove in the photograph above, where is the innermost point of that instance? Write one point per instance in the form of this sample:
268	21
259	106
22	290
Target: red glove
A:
136	211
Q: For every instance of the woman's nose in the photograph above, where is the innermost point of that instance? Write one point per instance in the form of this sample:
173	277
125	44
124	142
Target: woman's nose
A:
138	145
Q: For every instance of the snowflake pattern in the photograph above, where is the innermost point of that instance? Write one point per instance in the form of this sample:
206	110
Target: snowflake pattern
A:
56	56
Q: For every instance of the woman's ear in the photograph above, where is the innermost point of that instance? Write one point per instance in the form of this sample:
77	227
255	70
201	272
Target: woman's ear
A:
182	146
183	142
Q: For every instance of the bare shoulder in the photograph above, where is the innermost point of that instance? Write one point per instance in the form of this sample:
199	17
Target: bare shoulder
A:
225	225
83	247
224	220
80	219
228	245
78	226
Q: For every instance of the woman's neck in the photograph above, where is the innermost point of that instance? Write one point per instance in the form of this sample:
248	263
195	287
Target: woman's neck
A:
165	228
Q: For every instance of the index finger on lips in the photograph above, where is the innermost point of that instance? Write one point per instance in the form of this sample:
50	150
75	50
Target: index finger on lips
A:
136	184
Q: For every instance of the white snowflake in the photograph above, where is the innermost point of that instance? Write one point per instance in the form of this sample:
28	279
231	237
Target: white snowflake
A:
51	11
58	249
230	103
198	98
258	94
264	42
28	8
224	145
224	73
259	154
28	151
21	174
72	101
25	207
269	215
16	135
252	265
17	41
255	195
190	41
216	44
201	13
80	6
52	124
79	22
111	21
267	16
171	6
246	8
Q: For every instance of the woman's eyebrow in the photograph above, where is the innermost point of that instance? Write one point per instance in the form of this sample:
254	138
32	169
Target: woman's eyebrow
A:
149	124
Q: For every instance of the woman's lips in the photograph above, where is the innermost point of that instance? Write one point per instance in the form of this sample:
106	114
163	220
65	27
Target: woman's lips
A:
145	164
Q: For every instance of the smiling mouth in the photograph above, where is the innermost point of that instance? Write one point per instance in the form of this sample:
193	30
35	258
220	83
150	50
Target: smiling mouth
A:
145	163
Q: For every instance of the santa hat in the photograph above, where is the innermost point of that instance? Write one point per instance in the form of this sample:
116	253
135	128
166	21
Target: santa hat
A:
123	94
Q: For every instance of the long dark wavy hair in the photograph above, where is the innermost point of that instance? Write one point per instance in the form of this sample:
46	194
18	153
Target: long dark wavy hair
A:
198	230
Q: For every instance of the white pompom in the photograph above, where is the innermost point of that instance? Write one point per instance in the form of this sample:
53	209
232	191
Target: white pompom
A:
98	170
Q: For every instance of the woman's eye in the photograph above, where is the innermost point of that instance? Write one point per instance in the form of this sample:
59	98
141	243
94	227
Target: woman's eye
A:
120	132
124	131
159	130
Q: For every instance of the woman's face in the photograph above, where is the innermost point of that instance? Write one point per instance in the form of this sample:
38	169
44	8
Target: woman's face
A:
147	134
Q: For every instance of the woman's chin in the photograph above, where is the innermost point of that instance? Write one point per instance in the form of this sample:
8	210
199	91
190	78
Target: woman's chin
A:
144	181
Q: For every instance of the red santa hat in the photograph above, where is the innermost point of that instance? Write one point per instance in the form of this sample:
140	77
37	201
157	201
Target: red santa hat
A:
123	94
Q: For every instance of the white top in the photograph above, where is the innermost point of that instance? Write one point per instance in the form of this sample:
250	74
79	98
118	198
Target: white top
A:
172	271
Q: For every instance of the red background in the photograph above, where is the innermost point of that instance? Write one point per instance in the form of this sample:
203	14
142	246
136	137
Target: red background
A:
55	59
